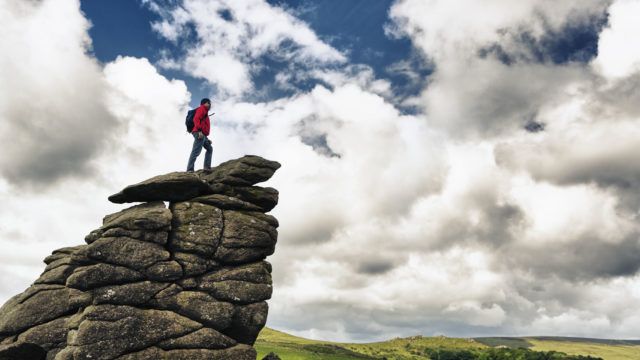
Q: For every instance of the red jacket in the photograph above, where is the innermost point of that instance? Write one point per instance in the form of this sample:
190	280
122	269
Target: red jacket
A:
201	121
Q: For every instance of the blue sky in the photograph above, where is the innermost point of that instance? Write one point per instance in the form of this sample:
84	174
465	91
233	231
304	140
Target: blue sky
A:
357	28
448	166
123	28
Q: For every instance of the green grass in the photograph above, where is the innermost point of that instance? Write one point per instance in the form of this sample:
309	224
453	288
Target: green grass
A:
290	347
606	349
603	350
505	341
413	347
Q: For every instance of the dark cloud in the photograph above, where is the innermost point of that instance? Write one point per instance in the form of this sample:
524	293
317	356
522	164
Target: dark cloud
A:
319	144
578	260
616	172
12	235
41	158
619	99
495	225
314	230
318	234
374	266
311	132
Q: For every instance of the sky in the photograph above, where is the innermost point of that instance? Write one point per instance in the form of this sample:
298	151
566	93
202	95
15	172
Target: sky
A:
448	166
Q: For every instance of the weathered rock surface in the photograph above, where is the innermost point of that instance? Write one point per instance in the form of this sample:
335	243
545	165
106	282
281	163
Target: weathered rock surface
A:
271	356
187	281
223	179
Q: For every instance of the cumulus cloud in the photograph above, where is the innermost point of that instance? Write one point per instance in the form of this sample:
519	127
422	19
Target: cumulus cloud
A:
496	198
444	30
473	93
232	37
53	119
619	53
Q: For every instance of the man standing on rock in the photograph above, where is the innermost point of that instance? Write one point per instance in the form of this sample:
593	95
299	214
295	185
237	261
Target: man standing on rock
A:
201	127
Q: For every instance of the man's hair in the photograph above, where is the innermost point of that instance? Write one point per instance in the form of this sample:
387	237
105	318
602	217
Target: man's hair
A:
204	101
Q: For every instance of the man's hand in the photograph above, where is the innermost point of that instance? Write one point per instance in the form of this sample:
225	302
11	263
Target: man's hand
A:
200	135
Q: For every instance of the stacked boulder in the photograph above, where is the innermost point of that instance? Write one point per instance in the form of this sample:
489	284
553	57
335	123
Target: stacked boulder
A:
187	281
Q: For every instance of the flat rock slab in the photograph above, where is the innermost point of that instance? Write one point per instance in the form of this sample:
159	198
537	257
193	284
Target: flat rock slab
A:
245	171
180	186
175	186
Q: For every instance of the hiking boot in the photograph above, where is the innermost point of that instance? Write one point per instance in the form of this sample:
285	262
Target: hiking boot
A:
207	170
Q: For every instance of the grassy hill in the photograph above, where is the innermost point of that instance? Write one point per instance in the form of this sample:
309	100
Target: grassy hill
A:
290	347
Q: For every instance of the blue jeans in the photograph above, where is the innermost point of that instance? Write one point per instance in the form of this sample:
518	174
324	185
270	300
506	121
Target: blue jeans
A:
198	144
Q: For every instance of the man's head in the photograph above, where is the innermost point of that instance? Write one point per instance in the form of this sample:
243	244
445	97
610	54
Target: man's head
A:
206	102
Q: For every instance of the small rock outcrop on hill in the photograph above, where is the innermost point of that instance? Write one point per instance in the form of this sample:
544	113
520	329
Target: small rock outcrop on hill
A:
187	281
271	356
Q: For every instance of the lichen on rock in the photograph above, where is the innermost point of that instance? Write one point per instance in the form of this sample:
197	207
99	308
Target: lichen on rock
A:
183	281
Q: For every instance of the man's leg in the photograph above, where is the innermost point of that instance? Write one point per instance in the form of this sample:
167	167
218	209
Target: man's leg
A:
208	154
195	151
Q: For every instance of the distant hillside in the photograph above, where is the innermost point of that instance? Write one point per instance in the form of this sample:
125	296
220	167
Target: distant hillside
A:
290	347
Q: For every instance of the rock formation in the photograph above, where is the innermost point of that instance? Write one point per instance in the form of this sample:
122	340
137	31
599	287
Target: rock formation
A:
187	281
271	356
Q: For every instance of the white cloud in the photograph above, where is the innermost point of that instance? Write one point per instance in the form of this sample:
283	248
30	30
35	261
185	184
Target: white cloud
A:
475	95
618	48
232	36
153	109
559	214
489	199
53	121
227	72
455	30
